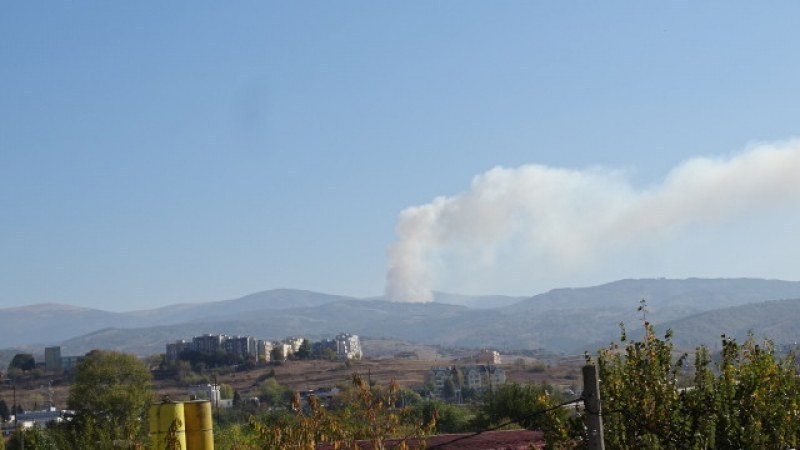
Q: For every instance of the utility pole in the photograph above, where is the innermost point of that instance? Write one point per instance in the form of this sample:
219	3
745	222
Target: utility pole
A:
591	403
217	398
17	430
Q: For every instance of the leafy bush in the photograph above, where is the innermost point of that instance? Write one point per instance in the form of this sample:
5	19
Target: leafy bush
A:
364	413
448	418
749	399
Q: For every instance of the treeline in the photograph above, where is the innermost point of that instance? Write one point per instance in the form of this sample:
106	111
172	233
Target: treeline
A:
376	414
109	397
747	397
653	398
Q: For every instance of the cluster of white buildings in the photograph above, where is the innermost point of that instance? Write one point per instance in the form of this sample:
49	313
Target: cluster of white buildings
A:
344	345
242	346
479	373
42	418
478	377
54	361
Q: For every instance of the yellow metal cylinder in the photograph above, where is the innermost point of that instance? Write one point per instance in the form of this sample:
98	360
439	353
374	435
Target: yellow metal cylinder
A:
167	426
199	425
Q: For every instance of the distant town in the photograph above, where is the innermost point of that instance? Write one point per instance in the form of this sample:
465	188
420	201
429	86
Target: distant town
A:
343	345
212	353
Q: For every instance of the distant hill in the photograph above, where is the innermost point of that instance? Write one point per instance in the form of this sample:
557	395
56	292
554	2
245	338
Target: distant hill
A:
364	317
52	323
776	320
275	299
698	294
47	324
562	320
476	301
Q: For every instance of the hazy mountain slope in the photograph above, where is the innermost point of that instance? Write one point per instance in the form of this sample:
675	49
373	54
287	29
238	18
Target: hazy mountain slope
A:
266	300
573	330
564	330
691	294
49	323
567	320
369	318
476	301
776	320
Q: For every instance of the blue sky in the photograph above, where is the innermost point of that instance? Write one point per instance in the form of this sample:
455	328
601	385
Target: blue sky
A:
153	153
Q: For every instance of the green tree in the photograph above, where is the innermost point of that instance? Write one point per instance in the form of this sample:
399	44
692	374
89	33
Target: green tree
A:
276	354
407	397
750	399
520	403
446	417
304	352
111	391
361	412
5	413
273	393
237	398
449	389
23	362
30	439
225	391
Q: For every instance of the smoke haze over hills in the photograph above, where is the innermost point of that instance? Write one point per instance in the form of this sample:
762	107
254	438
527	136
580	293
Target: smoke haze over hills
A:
535	227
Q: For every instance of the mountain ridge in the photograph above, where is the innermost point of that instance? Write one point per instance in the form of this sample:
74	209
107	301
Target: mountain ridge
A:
563	320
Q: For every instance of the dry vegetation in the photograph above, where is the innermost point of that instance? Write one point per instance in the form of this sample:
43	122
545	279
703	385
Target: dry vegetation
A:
306	375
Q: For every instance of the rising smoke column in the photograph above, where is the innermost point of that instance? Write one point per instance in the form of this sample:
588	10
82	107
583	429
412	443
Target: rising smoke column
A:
565	219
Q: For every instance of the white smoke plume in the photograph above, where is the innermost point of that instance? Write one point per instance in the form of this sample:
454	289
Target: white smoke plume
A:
541	220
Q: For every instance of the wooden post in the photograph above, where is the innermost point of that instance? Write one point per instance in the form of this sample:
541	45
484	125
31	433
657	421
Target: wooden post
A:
591	404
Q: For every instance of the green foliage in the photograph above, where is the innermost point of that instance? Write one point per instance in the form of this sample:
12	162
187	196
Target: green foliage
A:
200	361
70	436
32	439
49	439
23	362
749	399
5	413
448	418
408	397
273	393
225	391
276	354
512	402
304	352
329	354
524	406
449	389
111	392
363	413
